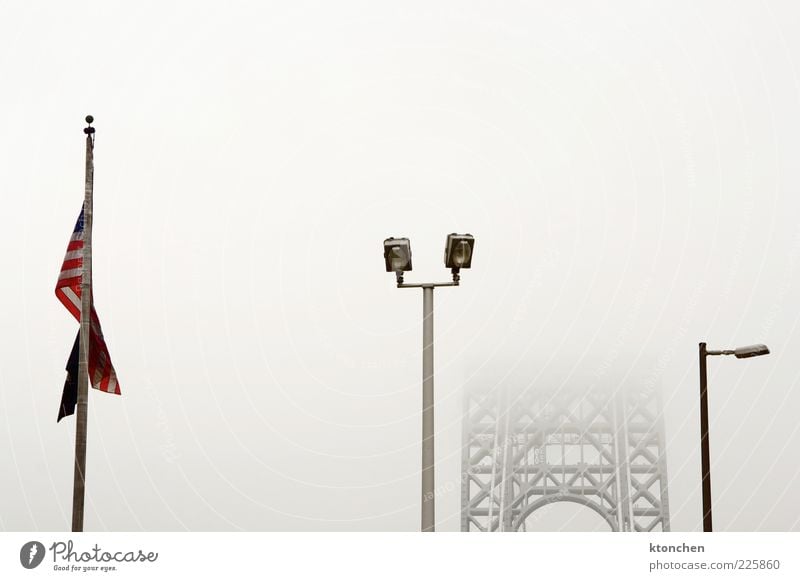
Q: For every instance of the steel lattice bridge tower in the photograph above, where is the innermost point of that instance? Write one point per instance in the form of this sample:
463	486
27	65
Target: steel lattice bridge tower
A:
599	449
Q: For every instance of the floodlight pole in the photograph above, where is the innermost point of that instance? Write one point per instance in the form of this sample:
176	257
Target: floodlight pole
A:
428	521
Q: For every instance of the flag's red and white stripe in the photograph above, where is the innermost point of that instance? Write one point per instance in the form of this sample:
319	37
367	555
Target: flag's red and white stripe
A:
68	291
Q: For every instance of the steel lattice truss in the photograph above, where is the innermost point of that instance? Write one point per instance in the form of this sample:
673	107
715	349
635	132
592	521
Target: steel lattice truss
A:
602	450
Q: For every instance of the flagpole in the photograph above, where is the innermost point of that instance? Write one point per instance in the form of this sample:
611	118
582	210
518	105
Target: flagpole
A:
79	485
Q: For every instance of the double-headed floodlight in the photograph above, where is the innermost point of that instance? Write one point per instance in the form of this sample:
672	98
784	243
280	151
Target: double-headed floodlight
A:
457	255
705	453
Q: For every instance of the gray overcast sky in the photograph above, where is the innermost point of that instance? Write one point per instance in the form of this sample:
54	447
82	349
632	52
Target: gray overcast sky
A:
629	170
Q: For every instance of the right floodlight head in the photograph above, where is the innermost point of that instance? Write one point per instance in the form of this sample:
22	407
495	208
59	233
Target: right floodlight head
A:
458	251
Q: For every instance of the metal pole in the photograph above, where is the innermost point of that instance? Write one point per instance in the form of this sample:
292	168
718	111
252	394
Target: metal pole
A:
704	447
79	484
428	500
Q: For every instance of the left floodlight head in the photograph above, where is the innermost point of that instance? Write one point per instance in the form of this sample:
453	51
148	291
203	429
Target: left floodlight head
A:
397	254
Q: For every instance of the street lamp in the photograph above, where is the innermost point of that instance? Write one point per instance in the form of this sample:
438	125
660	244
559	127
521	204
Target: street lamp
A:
739	353
457	255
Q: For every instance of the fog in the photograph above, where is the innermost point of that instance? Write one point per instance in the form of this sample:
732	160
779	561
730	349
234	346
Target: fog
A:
629	172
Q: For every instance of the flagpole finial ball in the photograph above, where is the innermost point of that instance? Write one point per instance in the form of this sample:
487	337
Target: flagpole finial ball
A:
89	119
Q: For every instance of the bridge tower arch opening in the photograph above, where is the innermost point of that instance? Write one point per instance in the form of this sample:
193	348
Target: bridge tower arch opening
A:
602	450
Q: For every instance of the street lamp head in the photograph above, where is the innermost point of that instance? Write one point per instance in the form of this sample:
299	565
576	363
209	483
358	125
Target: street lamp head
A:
751	351
397	255
458	251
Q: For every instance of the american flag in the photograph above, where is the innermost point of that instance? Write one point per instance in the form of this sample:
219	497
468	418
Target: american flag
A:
68	291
